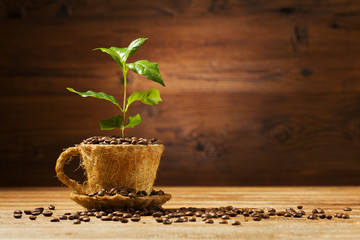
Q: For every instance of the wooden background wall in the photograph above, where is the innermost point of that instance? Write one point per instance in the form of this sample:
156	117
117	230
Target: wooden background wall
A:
257	92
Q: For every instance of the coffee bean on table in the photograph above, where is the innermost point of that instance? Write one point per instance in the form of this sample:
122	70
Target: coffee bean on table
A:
63	217
322	216
124	220
210	221
77	221
106	218
51	207
345	216
47	213
287	215
135	219
299	207
329	217
225	217
17	215
192	219
40	209
86	219
222	221
35	213
27	212
32	217
235	223
347	209
132	194
257	218
178	220
17	212
166	221
55	220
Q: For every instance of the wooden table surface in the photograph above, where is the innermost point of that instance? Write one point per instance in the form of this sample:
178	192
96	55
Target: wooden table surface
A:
331	199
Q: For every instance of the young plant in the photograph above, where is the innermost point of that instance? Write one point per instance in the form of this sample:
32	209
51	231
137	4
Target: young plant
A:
143	67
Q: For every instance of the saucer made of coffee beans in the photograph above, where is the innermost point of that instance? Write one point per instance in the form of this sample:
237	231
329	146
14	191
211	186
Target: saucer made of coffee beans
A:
125	192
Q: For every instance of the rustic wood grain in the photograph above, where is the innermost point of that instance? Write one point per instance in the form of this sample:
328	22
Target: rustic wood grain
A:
331	199
257	92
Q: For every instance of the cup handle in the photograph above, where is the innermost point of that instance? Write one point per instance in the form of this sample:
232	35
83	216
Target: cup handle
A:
59	168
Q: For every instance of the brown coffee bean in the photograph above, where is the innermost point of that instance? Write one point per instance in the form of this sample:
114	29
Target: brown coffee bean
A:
67	213
235	223
178	220
281	213
39	209
77	221
210	221
347	209
47	213
86	219
27	212
329	217
71	217
157	214
127	215
257	218
106	218
100	193
265	216
322	216
135	219
17	212
314	211
32	217
345	216
115	218
124	220
63	217
297	215
189	213
312	216
271	210
158	219
132	194
192	219
55	220
287	214
222	221
17	215
320	210
51	207
167	221
35	213
299	207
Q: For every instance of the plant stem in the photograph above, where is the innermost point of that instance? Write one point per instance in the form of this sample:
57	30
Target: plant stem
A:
124	101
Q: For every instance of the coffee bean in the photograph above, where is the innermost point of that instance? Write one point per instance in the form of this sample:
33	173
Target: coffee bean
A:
271	210
27	212
222	221
39	209
158	219
67	213
192	219
320	210
345	216
51	207
32	217
157	214
17	212
106	218
287	214
63	217
312	216
210	221
35	213
322	216
347	209
135	219
329	217
77	221
71	217
314	211
178	220
299	207
47	213
55	220
257	218
101	193
124	220
132	194
86	219
235	223
281	213
127	215
297	215
167	221
17	215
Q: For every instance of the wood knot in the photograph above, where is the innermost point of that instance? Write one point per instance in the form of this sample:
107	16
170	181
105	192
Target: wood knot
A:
281	133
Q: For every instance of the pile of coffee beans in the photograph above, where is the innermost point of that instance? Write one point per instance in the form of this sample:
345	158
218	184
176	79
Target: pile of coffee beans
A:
221	215
115	140
125	192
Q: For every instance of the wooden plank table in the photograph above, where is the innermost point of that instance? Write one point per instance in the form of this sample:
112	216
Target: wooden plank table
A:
331	199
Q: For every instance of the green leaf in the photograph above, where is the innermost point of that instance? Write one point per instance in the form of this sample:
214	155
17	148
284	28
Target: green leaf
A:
111	123
116	53
150	97
100	95
147	69
134	46
133	121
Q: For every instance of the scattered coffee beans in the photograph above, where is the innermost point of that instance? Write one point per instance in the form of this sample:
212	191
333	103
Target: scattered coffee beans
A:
17	215
32	217
55	220
235	223
51	207
47	213
347	209
77	221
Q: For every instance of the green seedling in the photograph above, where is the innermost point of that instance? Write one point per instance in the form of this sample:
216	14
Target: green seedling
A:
143	67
